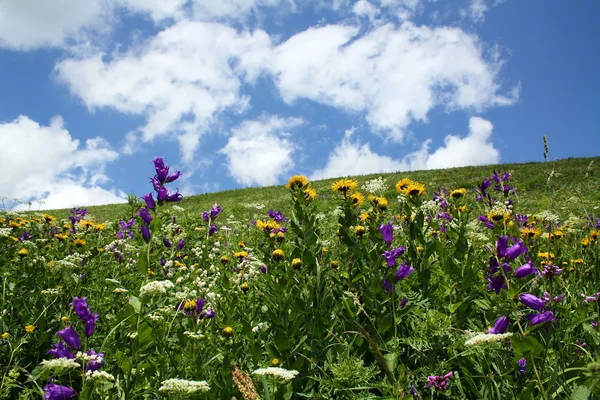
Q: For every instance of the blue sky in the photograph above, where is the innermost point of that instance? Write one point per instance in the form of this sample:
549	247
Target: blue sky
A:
241	93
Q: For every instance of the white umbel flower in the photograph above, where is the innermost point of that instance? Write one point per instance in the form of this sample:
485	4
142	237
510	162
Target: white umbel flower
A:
485	338
285	374
99	375
156	288
60	363
183	386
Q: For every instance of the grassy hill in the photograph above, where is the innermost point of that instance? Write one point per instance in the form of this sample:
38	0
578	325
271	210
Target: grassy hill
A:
564	186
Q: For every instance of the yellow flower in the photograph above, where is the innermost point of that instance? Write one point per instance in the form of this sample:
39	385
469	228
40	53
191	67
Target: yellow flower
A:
79	242
14	239
577	261
61	236
23	252
364	217
547	255
240	254
334	263
344	185
189	305
280	236
241	243
278	254
5	335
296	263
585	242
86	223
29	328
462	208
529	232
100	227
458	193
65	318
557	234
309	194
224	260
150	272
48	218
227	331
14	224
360	230
275	362
415	189
403	184
245	287
179	264
357	199
497	216
324	250
297	181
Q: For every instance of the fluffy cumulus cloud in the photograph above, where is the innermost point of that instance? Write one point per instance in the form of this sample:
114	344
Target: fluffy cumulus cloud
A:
180	80
46	163
354	158
259	152
394	75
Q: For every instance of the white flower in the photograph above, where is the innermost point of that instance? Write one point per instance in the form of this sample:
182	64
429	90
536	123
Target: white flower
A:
194	335
89	358
285	374
376	186
484	338
49	291
60	363
120	290
156	288
183	386
110	280
99	375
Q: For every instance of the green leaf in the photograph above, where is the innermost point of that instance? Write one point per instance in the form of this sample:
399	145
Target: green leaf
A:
581	393
135	303
526	345
391	359
143	260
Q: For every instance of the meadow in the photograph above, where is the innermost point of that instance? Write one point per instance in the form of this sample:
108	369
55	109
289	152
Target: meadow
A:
464	283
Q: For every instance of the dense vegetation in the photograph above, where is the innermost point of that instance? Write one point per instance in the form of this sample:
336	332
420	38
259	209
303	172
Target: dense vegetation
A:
466	283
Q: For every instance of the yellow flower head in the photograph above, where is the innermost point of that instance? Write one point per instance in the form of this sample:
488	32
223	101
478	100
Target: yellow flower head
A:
241	243
100	227
296	263
278	254
280	236
65	318
61	236
189	305
5	335
309	194
497	216
529	232
48	218
357	199
458	193
14	224
275	362
29	328
344	185
79	242
227	331
334	263
415	189
297	181
403	184
23	252
224	260
240	254
360	230
86	223
245	287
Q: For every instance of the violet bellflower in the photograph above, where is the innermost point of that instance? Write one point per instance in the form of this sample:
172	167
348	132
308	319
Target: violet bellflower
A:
500	326
81	308
59	350
212	229
145	215
70	337
387	232
535	319
145	233
532	301
90	324
522	364
439	382
404	271
525	270
166	242
150	203
96	363
52	391
387	285
391	255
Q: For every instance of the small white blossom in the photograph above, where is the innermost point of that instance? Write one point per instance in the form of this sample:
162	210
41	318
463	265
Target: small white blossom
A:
285	374
194	335
99	375
375	186
120	290
49	291
183	386
484	338
60	363
156	288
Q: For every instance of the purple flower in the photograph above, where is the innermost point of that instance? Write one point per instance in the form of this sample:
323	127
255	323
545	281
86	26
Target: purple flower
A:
277	216
212	229
81	308
522	364
488	224
387	232
159	163
439	382
162	193
500	325
96	363
210	313
174	197
200	305
551	270
391	255
181	244
145	233
525	270
404	271
172	177
145	215
532	301
216	209
387	286
540	318
149	201
263	269
515	251
496	283
59	350
90	323
53	391
403	302
70	337
166	242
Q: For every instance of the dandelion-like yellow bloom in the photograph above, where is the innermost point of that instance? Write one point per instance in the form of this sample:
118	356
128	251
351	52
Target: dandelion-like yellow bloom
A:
48	218
278	254
462	208
14	224
65	318
334	263
557	234
344	185
100	227
364	217
245	287
29	328
23	252
86	223
224	260
594	235
497	216
189	305
578	261
296	263
5	335
79	242
280	236
275	362
14	239
241	243
360	230
403	184
529	232
61	236
458	193
227	331
240	254
585	242
546	255
309	194
357	199
297	181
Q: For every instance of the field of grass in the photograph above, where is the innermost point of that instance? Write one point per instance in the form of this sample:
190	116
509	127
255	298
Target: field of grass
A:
464	283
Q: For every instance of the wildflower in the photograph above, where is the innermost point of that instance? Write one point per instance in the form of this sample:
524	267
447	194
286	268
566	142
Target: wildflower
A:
60	363
403	303
150	203
500	325
296	263
532	301
181	386
241	254
540	318
529	232
334	263
244	383
227	331
360	230
387	285
403	184
404	271
297	182
99	375
70	337
59	350
522	364
224	260
278	254
345	186
415	189
156	288
79	242
391	255
275	362
357	199
458	193
525	270
286	375
387	232
439	382
245	287
310	194
92	360
5	336
486	338
23	252
551	270
53	391
29	328
48	218
145	233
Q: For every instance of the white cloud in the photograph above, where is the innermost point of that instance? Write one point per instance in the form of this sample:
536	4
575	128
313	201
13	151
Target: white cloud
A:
260	151
29	24
395	75
180	80
210	10
366	9
45	162
352	158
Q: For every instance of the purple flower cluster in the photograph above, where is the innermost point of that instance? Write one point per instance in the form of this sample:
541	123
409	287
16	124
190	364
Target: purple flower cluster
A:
196	312
499	266
76	215
501	185
522	364
277	216
500	326
209	216
125	228
439	382
537	304
52	391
